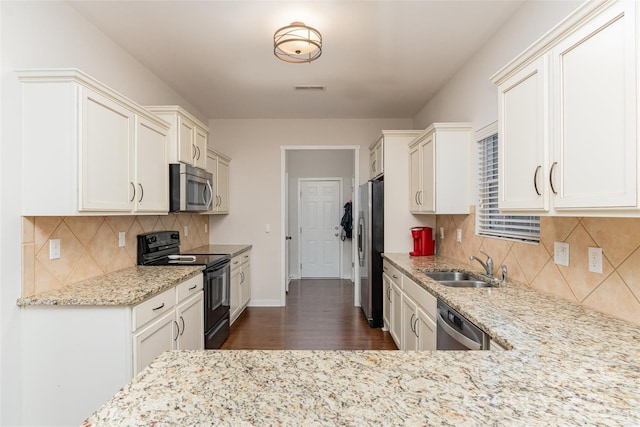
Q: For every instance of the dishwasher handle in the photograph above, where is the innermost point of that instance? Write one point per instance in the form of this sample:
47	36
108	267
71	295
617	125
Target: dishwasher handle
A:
449	330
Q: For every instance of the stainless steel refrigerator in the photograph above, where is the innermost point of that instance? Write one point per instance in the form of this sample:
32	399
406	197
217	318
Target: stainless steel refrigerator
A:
370	248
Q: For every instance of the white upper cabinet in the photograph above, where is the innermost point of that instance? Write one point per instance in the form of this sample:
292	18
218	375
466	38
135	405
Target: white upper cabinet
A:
376	158
439	170
568	113
187	138
89	149
218	165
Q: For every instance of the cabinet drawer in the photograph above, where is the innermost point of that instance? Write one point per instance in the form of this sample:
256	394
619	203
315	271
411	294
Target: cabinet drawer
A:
189	287
393	273
236	261
245	257
144	312
421	296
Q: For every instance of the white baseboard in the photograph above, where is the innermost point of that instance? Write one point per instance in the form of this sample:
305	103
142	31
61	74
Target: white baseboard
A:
264	303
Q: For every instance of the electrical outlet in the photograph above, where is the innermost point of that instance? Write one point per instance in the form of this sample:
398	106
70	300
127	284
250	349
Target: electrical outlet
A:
561	253
458	235
206	228
595	260
267	228
122	239
54	249
441	233
186	230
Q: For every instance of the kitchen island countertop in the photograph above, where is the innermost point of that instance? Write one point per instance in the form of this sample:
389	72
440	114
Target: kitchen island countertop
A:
568	366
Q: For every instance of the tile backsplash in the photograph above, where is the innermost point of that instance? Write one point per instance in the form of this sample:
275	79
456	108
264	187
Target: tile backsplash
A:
89	245
616	291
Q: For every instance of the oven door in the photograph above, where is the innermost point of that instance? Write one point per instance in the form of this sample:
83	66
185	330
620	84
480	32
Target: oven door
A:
217	283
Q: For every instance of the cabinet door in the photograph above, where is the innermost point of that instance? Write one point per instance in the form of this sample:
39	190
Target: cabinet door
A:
595	100
395	327
200	143
152	174
234	295
107	158
427	197
425	330
386	302
153	340
190	319
245	285
415	183
409	319
186	141
523	117
222	185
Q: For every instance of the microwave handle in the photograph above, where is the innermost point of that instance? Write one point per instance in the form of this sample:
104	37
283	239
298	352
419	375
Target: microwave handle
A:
204	195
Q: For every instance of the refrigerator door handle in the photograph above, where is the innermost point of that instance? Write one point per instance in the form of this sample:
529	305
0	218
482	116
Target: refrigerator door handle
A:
361	240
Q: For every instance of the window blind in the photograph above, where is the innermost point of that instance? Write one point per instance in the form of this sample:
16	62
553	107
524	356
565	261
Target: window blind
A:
489	221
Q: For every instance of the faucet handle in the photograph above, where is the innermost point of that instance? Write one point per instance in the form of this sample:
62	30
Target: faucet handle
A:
489	263
503	273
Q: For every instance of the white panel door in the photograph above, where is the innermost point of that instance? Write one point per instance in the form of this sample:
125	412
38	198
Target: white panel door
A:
320	228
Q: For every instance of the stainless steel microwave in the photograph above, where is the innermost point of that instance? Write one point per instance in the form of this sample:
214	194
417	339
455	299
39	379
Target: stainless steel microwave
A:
190	189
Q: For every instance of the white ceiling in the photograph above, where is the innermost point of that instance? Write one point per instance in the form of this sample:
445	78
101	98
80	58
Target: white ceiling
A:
380	59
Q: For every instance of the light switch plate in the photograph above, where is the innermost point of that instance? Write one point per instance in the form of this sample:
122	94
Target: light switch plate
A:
186	230
458	235
595	260
441	233
122	239
561	253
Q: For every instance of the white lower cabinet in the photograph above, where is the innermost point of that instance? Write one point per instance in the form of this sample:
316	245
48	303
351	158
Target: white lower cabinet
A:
409	311
419	310
77	357
240	292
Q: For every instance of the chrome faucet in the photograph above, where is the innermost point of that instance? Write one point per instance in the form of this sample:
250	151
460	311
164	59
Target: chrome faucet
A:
488	266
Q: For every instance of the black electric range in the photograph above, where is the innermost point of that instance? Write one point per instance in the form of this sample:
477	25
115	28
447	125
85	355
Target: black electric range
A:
163	248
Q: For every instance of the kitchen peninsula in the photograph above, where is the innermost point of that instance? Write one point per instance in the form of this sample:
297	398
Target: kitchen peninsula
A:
567	365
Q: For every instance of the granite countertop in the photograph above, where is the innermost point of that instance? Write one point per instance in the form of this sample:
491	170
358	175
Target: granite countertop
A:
231	250
568	366
125	287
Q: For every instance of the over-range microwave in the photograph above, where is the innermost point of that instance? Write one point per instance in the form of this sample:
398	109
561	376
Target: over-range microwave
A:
190	188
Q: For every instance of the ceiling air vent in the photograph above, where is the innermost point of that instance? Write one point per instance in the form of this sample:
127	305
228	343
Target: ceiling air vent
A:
315	88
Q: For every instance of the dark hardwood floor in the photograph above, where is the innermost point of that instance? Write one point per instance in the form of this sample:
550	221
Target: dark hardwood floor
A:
319	315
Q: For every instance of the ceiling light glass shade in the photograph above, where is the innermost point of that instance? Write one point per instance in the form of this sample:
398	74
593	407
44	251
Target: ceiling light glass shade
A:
297	43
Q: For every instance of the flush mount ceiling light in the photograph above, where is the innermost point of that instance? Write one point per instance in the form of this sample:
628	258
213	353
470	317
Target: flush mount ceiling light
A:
297	43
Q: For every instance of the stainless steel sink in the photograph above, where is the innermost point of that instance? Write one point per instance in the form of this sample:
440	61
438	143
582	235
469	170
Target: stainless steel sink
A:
457	279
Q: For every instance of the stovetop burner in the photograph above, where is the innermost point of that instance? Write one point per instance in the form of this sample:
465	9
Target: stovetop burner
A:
163	248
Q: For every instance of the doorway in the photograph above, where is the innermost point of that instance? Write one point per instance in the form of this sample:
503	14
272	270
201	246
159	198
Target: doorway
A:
316	162
320	251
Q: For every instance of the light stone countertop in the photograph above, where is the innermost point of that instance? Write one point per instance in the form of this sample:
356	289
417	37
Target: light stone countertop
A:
231	250
568	366
125	287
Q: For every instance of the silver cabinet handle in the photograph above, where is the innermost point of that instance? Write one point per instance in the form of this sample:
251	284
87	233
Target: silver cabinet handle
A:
411	323
198	150
420	197
416	198
415	327
182	321
553	166
177	330
133	187
193	151
374	165
394	276
141	192
193	287
535	180
159	307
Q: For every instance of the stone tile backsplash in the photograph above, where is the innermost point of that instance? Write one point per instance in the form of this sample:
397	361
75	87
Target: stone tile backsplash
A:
89	245
616	291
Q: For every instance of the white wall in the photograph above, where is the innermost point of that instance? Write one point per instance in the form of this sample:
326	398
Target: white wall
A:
469	96
254	147
318	164
39	35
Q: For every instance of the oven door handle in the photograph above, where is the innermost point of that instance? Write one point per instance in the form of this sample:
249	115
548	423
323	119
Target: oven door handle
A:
465	341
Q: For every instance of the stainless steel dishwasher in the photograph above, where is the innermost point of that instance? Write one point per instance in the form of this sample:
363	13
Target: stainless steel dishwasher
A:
455	332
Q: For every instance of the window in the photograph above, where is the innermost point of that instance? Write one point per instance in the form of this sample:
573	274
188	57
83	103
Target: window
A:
489	221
